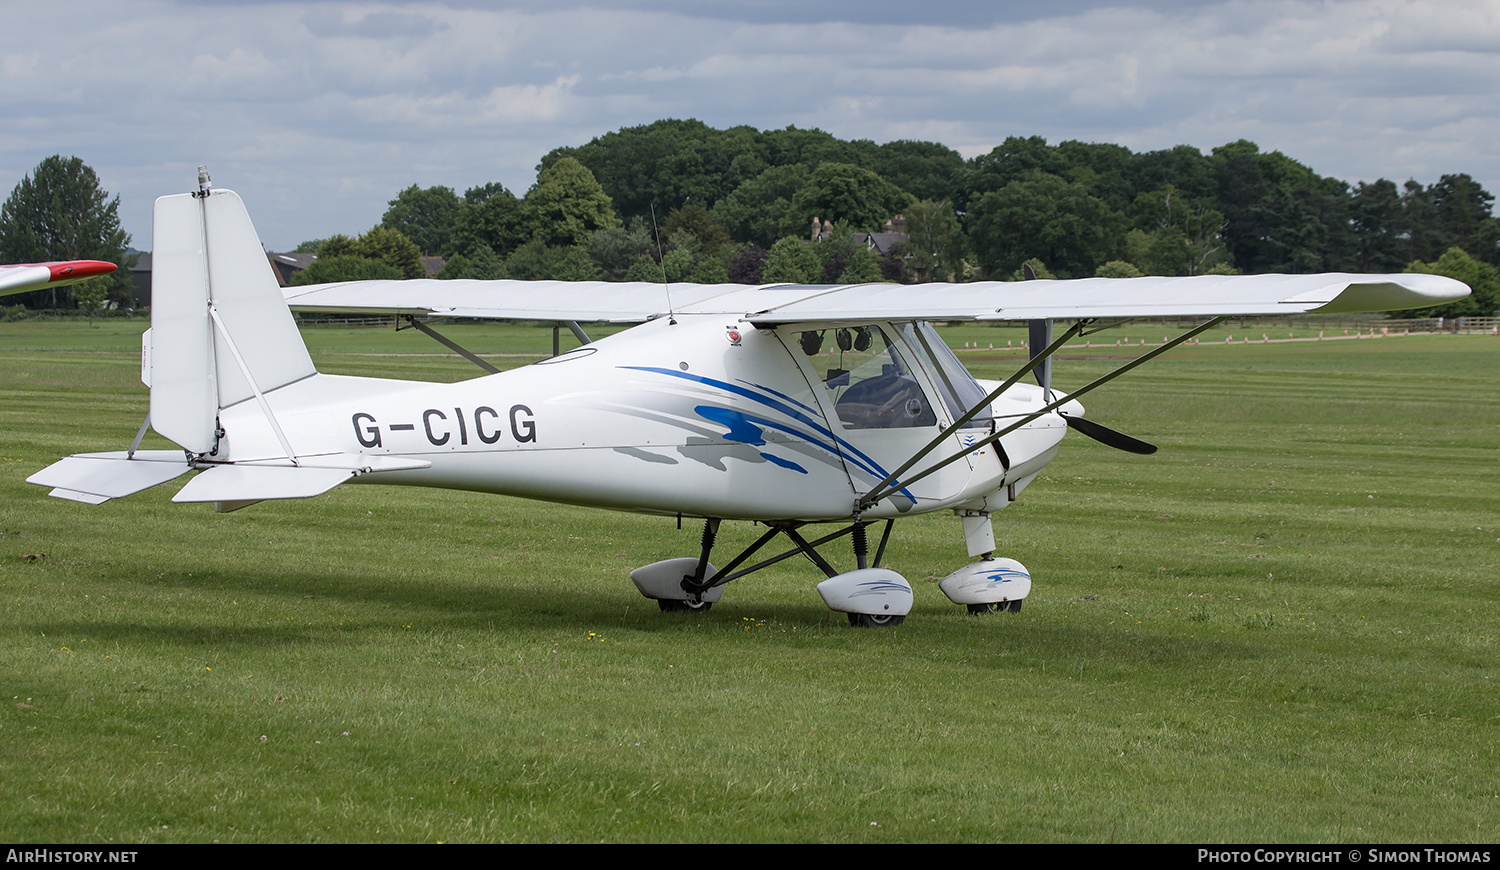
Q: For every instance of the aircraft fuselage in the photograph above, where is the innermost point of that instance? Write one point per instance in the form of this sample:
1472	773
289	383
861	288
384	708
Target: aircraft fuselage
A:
702	417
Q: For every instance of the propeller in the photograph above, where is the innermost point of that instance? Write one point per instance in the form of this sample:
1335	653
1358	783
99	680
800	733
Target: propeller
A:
1109	437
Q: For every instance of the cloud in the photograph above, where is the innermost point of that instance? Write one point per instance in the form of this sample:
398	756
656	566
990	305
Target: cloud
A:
328	22
320	113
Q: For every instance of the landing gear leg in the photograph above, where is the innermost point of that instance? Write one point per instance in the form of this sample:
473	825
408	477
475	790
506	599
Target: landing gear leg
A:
682	584
693	584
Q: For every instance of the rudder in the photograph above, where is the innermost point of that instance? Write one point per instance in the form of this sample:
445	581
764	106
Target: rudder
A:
220	328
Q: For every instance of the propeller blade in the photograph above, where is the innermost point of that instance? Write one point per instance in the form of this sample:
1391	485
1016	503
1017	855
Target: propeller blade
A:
1109	437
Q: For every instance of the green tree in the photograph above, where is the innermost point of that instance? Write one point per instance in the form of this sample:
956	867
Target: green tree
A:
935	245
677	265
1184	167
845	258
757	210
701	224
456	266
484	264
1280	216
616	249
668	164
792	261
336	245
1462	211
535	261
490	216
1044	216
1008	162
1104	167
709	269
59	212
645	269
392	248
91	295
1377	222
927	170
1180	238
848	193
1117	269
566	204
345	267
427	217
812	147
337	254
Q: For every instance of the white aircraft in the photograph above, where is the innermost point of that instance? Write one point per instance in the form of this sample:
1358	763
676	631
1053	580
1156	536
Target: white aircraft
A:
792	406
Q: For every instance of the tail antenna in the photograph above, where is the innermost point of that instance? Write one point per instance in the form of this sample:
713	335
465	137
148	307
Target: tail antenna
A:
661	259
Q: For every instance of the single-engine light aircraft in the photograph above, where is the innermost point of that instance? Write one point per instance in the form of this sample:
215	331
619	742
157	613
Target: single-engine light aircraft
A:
797	407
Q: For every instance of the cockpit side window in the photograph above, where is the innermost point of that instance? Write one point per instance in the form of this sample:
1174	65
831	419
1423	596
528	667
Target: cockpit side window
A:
959	390
872	387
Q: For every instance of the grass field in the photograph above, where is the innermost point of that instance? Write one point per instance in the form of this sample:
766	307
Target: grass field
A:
1282	627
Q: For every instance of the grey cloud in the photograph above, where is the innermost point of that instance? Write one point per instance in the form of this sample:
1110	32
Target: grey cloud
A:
319	114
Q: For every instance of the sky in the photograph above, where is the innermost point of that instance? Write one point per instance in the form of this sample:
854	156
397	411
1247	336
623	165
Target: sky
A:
319	113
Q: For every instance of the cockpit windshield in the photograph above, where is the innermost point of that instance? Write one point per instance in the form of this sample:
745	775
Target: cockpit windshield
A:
959	389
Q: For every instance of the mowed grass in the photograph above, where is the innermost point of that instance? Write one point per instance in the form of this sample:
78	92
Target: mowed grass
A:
1282	627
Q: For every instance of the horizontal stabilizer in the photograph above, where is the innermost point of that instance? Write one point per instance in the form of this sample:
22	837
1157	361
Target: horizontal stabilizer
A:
98	477
274	479
230	483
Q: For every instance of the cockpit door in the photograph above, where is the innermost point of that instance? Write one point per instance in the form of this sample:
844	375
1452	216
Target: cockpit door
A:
881	406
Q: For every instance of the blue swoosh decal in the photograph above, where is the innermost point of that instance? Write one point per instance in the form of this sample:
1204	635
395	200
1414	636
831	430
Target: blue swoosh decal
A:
784	463
739	426
855	455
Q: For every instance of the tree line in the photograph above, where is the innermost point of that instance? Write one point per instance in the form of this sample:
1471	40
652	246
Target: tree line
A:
682	201
677	200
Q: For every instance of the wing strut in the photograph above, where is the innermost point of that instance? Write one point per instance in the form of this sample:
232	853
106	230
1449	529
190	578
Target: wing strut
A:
450	344
867	501
574	328
886	487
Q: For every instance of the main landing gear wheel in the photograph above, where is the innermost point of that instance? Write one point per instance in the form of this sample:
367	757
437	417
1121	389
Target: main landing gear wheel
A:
868	620
997	607
674	605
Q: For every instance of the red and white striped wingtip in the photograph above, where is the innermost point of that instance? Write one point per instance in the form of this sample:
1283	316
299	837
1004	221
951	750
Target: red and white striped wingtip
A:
34	276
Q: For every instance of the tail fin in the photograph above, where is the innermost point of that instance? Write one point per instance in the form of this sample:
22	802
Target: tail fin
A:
220	335
221	332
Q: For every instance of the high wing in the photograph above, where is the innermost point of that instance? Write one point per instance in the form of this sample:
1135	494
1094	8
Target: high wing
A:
594	301
801	303
26	277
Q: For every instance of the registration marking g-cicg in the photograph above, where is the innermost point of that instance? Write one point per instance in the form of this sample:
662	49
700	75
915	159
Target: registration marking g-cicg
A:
443	426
